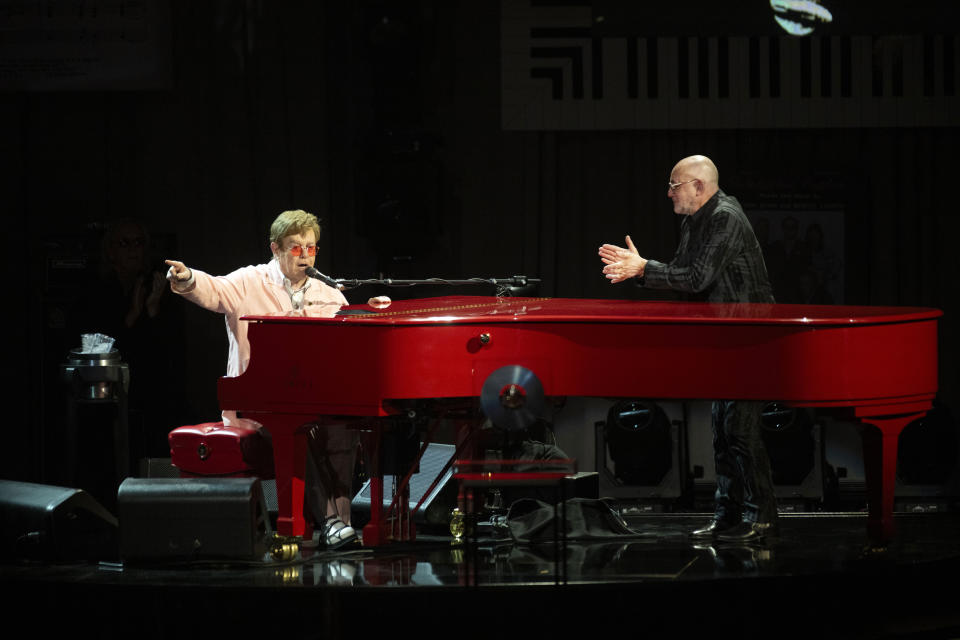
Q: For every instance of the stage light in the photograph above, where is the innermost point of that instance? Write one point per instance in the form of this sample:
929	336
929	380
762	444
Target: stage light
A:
789	438
799	17
640	442
927	452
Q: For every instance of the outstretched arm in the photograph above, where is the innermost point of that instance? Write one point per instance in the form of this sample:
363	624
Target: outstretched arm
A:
179	275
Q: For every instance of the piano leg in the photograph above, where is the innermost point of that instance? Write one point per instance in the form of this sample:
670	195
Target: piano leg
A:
375	532
289	460
381	529
880	434
398	524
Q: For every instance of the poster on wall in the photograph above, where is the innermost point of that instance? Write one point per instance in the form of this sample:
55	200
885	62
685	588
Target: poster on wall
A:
63	45
803	248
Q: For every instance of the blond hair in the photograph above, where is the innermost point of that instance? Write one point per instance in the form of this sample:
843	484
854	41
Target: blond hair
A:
291	223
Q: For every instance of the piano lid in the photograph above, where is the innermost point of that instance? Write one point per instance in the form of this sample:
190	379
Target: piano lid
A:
484	309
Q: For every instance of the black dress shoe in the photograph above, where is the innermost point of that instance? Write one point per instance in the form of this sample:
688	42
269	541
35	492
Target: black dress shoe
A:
748	532
713	528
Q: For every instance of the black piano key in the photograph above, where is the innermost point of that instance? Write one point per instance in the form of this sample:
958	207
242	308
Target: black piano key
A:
774	44
877	68
683	67
633	69
806	62
949	65
723	67
846	66
753	57
826	67
929	63
596	67
703	67
652	82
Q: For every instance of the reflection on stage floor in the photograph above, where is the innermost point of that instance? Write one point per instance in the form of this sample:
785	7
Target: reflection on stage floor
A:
818	576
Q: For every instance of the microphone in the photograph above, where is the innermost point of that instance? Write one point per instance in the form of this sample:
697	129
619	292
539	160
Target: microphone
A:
327	280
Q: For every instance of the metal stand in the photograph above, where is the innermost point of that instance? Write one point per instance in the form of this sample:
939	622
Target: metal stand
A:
97	379
475	475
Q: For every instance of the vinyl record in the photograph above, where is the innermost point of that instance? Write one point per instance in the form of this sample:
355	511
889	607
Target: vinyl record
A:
512	397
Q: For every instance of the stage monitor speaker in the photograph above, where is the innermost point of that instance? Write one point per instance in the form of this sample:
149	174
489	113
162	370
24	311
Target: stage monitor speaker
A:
157	468
436	508
42	522
192	519
163	468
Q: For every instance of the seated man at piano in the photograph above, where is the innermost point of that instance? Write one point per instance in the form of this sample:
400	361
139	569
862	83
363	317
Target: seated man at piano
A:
717	260
282	286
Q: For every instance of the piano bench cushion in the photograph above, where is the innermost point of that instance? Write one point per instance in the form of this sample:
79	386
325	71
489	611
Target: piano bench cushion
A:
214	449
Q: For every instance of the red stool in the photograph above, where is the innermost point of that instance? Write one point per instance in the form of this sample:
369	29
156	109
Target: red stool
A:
214	449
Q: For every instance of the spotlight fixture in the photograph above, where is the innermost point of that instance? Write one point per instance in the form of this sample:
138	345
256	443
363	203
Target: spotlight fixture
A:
928	451
799	17
640	442
788	436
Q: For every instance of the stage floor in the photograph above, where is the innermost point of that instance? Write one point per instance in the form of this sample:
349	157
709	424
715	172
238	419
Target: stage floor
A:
820	577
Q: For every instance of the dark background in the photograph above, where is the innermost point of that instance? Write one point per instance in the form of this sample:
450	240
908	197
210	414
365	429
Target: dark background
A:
390	131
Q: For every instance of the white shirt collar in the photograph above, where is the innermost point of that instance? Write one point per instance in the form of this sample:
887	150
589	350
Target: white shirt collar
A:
276	276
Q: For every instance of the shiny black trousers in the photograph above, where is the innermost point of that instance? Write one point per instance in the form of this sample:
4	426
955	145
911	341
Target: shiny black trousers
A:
744	479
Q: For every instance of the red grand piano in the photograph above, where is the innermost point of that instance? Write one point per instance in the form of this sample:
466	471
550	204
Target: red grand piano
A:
876	364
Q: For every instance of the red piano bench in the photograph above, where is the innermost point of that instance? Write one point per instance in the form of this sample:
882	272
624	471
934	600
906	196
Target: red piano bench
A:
214	449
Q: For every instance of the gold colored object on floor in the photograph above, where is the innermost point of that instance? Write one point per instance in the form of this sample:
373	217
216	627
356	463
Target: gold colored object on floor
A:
457	524
283	549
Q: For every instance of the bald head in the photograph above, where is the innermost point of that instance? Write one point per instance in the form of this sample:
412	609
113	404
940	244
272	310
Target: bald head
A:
700	168
703	179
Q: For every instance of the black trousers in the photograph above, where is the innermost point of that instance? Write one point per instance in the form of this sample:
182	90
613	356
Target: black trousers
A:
331	454
744	479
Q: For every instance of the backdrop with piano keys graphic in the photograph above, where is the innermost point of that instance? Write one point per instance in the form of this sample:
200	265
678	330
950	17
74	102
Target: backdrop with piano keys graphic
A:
465	138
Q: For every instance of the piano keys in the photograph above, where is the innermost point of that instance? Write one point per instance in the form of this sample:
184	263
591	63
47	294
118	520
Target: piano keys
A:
561	69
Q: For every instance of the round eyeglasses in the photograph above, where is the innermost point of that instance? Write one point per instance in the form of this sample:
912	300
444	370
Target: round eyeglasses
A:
298	250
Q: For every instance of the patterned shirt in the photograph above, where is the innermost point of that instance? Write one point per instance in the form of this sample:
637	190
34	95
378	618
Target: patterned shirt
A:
718	259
